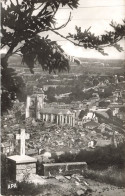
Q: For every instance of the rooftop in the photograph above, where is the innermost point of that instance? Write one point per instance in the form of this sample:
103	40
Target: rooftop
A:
103	143
55	111
92	123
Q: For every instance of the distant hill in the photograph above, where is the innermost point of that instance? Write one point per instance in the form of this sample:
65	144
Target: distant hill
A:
91	65
113	62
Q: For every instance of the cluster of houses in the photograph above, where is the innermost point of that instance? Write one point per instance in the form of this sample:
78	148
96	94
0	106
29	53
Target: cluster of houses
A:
76	113
86	114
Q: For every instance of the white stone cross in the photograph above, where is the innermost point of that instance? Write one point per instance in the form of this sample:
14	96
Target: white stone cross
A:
22	137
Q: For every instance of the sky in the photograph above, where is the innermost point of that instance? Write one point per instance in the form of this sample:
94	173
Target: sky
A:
97	15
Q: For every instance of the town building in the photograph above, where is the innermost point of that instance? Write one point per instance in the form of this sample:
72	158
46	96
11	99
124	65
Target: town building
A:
104	127
58	116
35	108
89	116
91	125
7	148
114	106
35	103
117	95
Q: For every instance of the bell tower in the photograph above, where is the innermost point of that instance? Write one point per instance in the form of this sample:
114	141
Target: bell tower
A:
35	103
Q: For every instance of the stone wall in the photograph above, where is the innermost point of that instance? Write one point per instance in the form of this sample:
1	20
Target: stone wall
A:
63	168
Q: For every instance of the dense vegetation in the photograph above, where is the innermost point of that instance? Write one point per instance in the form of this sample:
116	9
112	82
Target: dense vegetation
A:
102	157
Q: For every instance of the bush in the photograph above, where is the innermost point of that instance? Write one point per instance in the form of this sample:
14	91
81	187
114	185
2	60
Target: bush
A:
112	175
102	156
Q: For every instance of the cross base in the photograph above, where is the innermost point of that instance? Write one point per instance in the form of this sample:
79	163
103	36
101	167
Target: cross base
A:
19	167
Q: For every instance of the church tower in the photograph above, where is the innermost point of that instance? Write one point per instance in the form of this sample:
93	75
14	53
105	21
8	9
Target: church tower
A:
35	103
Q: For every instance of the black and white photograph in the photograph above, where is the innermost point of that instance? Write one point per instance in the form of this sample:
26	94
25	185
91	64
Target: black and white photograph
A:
62	97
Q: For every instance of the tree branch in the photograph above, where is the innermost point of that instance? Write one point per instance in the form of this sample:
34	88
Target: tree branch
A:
17	2
40	13
16	50
109	45
3	45
53	30
64	25
38	7
12	3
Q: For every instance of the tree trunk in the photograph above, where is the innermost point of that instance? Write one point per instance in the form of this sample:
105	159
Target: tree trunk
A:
4	60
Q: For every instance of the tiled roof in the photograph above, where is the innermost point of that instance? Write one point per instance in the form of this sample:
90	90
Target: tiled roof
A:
106	126
82	113
102	143
55	111
92	123
102	114
115	105
89	115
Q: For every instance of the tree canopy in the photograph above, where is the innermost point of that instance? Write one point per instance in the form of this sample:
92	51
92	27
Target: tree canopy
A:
21	23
